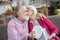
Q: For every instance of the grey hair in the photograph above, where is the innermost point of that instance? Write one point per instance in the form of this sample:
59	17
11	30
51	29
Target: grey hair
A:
33	8
16	9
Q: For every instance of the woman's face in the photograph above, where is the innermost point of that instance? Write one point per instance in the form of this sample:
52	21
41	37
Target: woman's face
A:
31	14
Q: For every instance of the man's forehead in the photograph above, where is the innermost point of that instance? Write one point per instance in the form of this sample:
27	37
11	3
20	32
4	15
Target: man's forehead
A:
23	7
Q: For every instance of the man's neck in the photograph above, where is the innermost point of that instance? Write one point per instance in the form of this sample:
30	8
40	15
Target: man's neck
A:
20	19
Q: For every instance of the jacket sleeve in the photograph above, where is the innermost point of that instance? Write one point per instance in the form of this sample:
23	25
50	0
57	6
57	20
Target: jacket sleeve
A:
50	25
12	32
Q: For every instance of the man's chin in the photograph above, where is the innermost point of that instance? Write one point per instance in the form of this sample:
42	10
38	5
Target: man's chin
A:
26	19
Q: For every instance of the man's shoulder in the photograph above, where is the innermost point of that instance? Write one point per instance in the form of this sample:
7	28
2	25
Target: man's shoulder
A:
11	21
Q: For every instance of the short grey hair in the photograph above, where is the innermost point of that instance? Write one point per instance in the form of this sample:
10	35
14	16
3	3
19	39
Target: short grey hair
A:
17	8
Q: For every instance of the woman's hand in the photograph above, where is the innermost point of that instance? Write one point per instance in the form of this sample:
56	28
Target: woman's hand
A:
52	35
40	15
50	38
31	34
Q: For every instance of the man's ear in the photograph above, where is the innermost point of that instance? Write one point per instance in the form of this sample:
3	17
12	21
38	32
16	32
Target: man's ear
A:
17	13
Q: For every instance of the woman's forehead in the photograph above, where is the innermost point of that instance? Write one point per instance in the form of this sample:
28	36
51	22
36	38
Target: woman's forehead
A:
29	10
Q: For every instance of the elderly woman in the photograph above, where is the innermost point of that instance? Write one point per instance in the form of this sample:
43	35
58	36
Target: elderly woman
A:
49	30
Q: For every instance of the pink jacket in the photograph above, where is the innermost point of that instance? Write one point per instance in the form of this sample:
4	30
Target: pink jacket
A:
45	23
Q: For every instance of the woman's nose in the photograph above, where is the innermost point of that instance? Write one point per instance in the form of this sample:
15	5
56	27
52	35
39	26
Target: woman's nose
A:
27	13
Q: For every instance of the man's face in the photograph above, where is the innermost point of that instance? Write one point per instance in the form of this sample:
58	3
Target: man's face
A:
22	12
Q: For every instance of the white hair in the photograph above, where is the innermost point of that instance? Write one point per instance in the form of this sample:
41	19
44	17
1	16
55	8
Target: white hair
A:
31	7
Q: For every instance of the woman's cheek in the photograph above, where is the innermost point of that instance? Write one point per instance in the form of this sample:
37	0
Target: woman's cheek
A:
32	17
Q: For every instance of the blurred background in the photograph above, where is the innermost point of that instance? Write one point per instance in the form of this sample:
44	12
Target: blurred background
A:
51	8
47	7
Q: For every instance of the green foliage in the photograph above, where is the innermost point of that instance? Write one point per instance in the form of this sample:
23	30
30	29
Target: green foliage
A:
13	7
54	5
